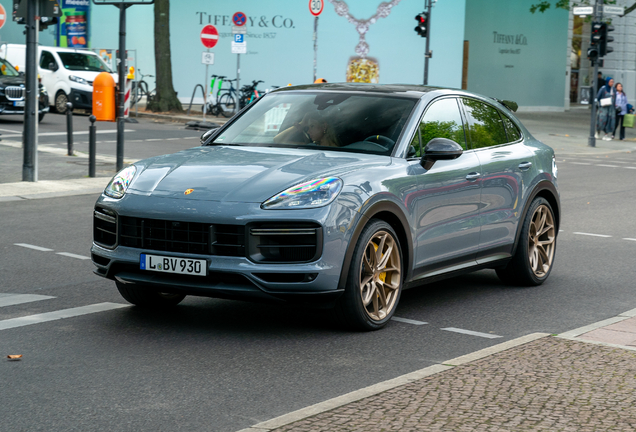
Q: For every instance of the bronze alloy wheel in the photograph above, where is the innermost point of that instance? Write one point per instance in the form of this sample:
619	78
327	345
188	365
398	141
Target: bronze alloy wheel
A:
380	275
541	241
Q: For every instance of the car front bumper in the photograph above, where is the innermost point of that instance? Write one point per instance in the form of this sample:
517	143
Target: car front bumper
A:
245	276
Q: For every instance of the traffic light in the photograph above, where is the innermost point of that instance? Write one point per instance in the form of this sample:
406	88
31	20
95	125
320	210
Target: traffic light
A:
604	48
422	24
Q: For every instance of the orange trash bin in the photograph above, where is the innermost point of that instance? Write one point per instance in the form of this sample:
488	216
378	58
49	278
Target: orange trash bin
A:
104	97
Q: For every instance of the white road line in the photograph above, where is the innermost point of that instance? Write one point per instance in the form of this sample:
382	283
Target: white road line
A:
70	255
608	166
33	247
593	235
630	167
630	239
472	333
15	299
408	321
580	163
64	133
57	315
154	139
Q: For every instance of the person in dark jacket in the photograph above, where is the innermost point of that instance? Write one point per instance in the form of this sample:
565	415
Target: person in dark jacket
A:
600	82
606	115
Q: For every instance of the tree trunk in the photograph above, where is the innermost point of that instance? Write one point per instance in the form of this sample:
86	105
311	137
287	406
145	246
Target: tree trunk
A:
165	98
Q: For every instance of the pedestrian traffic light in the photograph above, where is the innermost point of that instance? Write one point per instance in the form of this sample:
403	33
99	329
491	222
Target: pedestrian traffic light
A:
604	48
422	24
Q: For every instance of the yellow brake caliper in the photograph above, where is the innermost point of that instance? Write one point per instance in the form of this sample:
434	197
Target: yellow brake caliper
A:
382	275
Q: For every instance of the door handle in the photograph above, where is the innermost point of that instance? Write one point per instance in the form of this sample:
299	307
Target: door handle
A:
523	166
473	176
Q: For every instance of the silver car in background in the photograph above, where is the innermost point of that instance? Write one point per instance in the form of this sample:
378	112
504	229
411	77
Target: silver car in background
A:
338	194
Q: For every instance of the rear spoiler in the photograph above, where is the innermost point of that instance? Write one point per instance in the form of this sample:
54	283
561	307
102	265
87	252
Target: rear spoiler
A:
511	105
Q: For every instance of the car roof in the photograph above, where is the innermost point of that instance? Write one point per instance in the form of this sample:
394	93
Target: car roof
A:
413	90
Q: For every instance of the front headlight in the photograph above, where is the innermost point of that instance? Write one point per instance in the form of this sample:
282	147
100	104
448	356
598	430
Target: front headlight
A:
119	184
78	79
311	194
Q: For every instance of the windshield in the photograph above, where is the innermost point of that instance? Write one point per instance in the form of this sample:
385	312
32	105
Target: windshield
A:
83	62
322	120
7	69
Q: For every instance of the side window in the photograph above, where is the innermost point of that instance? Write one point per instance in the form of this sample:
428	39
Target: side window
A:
45	59
511	130
484	124
441	120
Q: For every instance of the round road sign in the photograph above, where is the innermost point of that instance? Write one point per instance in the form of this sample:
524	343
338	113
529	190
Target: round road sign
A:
3	16
209	36
316	7
239	19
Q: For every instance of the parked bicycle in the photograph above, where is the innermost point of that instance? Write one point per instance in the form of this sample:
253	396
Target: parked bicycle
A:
139	90
224	101
249	94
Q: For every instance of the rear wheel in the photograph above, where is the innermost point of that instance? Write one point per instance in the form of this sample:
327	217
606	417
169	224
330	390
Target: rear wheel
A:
534	258
228	105
147	297
374	284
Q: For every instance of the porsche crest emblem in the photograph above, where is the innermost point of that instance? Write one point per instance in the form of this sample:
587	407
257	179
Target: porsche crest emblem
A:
188	191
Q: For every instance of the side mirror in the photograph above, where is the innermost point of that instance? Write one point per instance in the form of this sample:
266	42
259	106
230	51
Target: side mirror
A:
52	67
207	134
440	149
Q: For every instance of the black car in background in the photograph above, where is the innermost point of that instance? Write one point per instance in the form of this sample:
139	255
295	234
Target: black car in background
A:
13	92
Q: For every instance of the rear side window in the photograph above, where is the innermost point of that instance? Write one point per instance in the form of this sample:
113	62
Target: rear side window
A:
46	59
485	126
441	120
511	130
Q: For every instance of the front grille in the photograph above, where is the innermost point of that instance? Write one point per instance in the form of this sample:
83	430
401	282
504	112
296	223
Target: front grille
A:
14	93
185	237
285	242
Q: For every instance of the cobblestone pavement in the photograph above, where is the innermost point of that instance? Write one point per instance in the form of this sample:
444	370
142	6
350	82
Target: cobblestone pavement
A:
550	384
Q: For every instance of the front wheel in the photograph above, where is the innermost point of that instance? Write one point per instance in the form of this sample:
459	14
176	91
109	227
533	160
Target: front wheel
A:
228	105
533	261
60	102
374	283
147	297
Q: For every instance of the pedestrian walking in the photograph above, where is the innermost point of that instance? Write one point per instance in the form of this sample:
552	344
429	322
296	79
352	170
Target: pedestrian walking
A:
606	116
600	82
621	110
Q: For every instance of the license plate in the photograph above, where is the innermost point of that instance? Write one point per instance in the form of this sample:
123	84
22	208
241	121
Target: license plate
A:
177	265
18	103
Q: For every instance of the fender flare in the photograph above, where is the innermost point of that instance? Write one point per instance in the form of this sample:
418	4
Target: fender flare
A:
543	187
365	217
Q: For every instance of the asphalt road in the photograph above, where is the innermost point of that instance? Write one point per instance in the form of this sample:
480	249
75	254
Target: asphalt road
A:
224	365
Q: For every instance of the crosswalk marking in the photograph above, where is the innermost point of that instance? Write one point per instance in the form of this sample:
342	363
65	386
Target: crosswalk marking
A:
57	315
30	246
472	333
16	299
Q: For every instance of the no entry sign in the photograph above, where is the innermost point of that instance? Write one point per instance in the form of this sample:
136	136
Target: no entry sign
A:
209	36
3	16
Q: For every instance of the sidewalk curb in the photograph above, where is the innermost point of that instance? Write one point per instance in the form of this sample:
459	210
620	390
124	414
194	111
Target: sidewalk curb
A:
356	395
574	334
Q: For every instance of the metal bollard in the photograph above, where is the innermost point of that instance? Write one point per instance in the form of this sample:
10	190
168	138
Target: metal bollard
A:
92	138
69	128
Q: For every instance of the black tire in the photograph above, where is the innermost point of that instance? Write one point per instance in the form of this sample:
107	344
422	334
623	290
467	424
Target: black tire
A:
228	105
351	308
147	297
40	117
60	102
533	261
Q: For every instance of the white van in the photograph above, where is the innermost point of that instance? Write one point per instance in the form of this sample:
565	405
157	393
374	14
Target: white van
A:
67	74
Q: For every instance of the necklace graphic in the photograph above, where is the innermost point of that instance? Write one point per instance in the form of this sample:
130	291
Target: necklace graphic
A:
363	68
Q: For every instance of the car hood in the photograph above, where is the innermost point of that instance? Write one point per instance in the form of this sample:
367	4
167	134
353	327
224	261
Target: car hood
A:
89	75
11	80
241	174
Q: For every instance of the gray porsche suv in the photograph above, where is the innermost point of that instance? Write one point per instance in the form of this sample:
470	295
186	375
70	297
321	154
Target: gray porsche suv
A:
339	194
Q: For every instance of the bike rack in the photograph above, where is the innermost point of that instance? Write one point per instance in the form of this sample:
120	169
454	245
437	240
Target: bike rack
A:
192	98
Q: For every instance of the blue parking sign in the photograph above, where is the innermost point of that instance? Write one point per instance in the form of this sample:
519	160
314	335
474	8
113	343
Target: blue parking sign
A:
239	38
